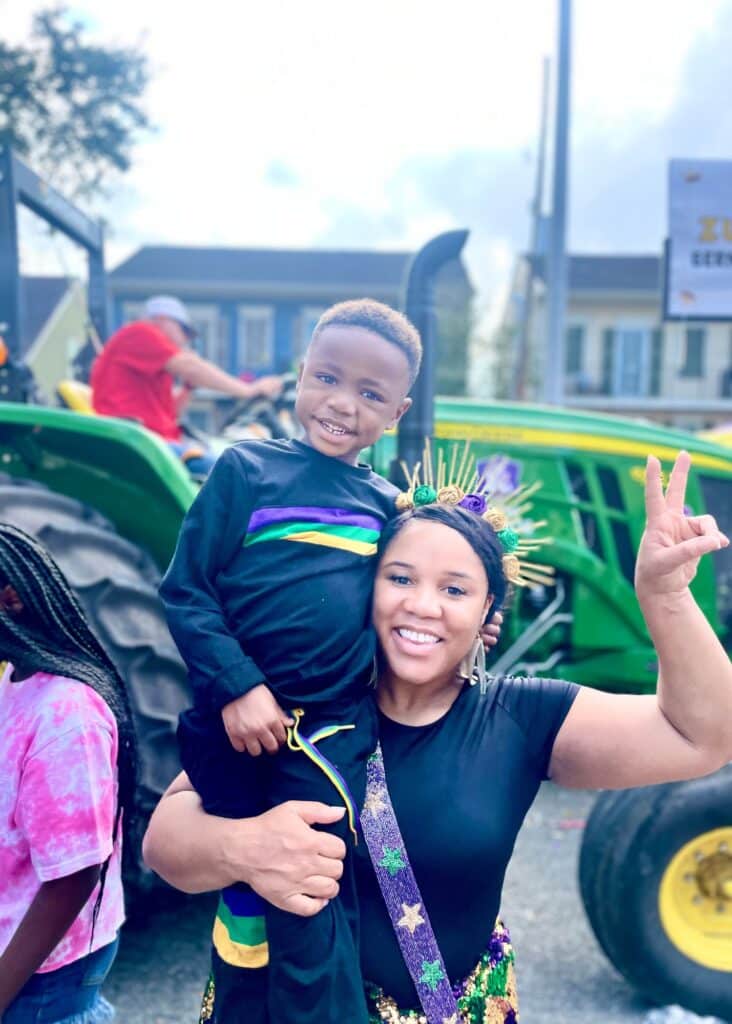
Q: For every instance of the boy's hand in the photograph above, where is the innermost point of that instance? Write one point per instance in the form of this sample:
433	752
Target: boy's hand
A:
255	721
491	633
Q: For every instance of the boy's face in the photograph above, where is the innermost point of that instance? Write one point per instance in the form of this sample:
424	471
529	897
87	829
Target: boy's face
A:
352	387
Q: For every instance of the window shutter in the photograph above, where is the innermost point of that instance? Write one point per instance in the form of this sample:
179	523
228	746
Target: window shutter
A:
654	384
573	345
608	344
694	359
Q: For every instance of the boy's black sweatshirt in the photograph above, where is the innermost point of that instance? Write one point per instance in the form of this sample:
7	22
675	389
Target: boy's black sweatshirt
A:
272	575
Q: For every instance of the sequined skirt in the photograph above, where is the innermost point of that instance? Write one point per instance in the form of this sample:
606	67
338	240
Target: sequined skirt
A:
487	996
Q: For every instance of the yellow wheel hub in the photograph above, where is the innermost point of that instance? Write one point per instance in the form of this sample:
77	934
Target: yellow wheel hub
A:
695	900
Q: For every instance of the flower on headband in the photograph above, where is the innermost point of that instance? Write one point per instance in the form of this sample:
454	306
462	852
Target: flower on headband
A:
511	568
509	540
450	495
474	503
425	495
404	501
496	518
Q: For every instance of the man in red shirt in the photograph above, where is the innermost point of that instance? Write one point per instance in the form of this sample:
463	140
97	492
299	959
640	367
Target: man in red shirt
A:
133	377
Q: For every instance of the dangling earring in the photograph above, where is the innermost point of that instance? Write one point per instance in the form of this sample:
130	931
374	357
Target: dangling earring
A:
480	665
472	666
374	677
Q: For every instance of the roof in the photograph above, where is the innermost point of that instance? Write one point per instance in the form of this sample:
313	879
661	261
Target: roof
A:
270	266
39	297
631	273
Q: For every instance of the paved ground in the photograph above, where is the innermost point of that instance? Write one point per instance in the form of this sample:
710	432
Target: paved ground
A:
563	976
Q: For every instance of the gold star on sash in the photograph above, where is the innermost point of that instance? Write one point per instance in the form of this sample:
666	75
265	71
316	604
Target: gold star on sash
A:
374	802
411	918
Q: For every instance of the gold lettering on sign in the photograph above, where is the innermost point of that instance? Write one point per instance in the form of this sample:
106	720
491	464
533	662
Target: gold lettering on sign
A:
728	229
708	229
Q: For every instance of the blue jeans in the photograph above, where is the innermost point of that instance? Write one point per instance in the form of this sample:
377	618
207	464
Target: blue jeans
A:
195	458
69	995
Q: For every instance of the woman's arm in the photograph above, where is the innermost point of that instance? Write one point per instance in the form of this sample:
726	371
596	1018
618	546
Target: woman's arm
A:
54	909
289	864
685	730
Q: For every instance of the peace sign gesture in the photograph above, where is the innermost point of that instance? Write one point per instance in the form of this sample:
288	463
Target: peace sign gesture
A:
672	542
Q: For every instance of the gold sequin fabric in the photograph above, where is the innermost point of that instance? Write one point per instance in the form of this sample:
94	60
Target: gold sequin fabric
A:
207	1003
487	996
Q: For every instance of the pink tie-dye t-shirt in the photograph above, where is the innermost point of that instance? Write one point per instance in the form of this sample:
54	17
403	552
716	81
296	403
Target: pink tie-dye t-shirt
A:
58	794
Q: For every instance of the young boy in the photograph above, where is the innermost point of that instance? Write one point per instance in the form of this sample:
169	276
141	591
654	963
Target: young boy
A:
268	598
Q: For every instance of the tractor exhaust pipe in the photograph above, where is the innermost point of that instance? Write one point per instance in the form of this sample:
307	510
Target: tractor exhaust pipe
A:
419	306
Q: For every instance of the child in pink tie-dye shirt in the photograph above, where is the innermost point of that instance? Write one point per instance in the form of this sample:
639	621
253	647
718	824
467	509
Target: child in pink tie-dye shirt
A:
67	774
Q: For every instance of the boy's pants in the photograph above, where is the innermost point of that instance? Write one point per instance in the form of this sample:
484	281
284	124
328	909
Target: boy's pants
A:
313	962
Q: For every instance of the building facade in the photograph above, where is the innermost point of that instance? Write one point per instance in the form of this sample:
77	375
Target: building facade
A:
255	309
54	328
619	354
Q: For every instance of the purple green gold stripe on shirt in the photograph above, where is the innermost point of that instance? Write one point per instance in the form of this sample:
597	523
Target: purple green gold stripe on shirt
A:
239	940
311	514
359	539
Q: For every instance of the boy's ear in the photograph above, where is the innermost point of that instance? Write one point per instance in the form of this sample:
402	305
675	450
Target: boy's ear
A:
300	369
400	412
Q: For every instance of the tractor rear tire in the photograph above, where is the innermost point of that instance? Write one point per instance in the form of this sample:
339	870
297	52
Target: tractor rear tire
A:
116	584
656	881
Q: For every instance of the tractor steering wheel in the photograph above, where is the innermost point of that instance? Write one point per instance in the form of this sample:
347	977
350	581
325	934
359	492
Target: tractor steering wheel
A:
251	408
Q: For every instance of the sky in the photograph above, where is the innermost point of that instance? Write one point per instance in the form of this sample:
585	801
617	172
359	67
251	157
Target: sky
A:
345	125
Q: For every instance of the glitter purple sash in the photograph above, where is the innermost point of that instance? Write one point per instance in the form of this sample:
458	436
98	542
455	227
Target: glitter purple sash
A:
403	899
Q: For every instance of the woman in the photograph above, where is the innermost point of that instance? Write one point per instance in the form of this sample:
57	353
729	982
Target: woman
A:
461	768
67	777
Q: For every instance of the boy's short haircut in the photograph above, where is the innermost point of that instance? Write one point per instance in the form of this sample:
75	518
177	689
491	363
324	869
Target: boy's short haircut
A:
380	319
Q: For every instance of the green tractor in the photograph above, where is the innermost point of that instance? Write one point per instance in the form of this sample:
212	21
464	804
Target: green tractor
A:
107	498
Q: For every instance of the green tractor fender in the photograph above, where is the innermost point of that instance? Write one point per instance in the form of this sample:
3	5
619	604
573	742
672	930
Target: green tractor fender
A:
120	469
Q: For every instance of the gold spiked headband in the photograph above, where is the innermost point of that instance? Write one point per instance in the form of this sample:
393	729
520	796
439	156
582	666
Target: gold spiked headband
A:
458	483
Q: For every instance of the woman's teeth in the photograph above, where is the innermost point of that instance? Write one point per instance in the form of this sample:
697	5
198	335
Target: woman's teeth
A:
418	638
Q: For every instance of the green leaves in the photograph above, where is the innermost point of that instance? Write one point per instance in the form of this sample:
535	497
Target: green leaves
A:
72	107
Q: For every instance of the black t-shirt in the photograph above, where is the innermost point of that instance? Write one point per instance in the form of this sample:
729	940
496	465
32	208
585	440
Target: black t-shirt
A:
272	576
461	788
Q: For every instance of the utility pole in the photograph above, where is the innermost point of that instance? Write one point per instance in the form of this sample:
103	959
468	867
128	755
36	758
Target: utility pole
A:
556	263
521	359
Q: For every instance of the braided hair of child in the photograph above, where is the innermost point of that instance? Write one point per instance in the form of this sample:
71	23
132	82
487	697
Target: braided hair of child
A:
51	634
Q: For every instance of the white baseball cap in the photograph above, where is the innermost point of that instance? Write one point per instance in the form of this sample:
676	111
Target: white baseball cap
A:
168	305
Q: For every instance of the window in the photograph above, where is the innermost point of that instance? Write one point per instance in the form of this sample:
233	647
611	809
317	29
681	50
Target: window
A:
632	351
624	549
693	365
574	346
632	361
610	488
309	316
212	341
256	338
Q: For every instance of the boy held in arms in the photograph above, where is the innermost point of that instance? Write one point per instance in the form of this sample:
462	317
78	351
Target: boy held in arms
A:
268	599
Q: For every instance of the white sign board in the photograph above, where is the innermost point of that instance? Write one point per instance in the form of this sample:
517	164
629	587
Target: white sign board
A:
699	253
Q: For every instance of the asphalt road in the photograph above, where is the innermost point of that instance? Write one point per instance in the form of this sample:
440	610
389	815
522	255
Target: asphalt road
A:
563	976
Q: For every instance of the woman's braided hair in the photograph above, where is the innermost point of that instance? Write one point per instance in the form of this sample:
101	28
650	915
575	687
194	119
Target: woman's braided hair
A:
52	635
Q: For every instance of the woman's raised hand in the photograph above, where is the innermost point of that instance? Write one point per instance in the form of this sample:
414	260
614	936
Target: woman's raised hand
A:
672	542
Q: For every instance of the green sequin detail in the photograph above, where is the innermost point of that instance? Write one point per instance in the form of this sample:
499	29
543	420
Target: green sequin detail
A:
432	974
392	860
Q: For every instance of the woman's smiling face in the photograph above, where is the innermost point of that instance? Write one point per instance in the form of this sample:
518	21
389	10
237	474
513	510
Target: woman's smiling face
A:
430	598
